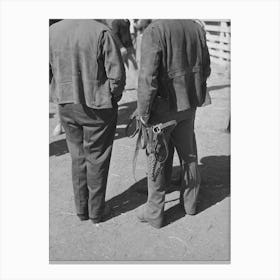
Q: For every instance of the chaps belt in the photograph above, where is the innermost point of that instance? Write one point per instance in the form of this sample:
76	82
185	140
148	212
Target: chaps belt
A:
148	138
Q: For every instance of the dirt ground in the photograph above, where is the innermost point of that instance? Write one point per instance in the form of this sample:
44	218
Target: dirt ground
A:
203	237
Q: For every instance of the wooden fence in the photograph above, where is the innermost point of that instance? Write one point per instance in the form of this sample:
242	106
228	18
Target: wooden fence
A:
218	40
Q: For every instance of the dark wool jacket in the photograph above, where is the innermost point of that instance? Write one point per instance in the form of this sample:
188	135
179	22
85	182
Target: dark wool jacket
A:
86	64
174	68
121	30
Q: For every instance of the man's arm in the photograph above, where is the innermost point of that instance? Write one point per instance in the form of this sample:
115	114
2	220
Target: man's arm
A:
206	58
206	69
148	77
205	51
113	65
116	33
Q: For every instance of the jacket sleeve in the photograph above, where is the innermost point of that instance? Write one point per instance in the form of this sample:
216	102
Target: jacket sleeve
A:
149	68
52	97
116	32
124	34
206	58
205	51
206	69
113	64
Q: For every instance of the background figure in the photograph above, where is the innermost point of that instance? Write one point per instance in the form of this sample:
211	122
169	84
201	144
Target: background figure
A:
172	84
88	81
142	24
133	31
121	30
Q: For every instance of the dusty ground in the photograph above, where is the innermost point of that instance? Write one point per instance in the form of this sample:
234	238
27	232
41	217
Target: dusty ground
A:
203	237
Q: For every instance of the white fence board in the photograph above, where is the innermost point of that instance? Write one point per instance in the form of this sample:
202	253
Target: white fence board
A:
217	28
218	38
219	54
218	46
216	20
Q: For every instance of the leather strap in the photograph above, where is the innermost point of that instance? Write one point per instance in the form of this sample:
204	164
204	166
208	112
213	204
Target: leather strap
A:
148	138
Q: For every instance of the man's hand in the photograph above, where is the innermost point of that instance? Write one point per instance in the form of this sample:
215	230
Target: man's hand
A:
123	52
144	120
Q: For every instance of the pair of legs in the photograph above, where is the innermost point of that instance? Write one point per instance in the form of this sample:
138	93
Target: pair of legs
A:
89	135
181	137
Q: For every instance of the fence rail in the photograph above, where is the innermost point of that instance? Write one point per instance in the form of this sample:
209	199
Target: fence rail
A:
218	36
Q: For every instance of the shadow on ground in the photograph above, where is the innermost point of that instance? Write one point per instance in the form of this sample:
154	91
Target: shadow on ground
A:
124	113
215	187
130	199
217	87
215	174
58	148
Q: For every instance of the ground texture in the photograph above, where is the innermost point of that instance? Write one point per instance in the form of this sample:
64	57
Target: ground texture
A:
203	237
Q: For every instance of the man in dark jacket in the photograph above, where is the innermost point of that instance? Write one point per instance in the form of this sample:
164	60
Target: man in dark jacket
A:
174	67
121	30
88	81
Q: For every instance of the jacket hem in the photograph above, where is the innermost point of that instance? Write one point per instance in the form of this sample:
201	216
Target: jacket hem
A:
108	106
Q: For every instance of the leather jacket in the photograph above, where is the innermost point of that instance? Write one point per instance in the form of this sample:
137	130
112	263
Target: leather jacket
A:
86	64
174	67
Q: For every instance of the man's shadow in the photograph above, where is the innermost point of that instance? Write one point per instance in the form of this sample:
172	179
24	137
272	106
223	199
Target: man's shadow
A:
217	87
128	200
58	148
215	187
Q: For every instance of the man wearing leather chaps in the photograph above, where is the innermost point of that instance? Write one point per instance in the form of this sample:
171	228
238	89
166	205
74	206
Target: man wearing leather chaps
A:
174	67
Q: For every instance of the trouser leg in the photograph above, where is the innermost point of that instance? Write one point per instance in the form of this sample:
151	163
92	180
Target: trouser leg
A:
184	139
74	138
154	207
190	187
98	134
191	182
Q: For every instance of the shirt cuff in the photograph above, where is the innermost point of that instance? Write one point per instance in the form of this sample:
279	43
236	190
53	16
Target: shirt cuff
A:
144	118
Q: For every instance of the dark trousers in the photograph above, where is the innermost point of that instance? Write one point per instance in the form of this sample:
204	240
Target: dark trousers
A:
89	136
181	137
